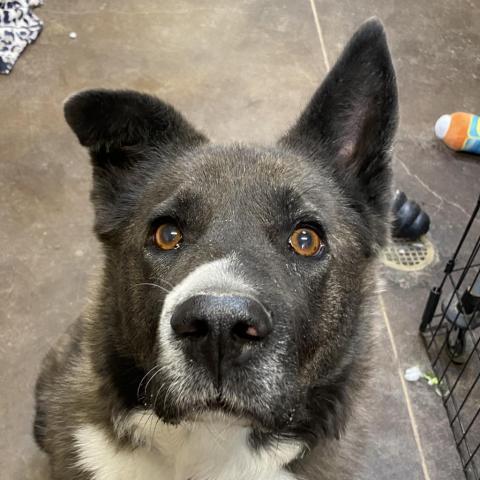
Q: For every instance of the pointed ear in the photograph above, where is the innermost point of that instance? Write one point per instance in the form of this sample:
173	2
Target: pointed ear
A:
113	119
128	135
351	119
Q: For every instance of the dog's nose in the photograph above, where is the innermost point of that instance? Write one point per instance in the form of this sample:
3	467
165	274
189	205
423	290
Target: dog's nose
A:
217	328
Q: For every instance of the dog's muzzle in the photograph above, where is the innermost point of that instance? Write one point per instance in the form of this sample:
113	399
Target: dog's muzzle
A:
221	332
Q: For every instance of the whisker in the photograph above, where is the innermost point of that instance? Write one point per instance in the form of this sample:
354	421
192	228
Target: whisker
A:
152	285
153	412
142	380
159	369
255	299
156	397
147	420
216	436
171	285
154	429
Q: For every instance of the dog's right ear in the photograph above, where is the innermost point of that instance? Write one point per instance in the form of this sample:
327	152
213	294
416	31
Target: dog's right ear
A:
114	119
128	134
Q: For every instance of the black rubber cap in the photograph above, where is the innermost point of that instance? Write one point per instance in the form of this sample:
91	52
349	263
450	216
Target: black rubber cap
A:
410	221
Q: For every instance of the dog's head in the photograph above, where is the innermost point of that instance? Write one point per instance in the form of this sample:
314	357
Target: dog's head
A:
236	278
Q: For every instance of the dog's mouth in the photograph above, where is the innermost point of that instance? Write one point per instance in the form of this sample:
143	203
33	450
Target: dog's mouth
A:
221	405
217	407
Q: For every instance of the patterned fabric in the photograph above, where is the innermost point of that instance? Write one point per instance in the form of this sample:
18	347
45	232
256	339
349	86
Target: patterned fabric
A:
19	26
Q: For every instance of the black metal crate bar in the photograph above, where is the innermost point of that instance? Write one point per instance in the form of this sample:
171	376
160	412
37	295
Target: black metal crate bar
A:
450	329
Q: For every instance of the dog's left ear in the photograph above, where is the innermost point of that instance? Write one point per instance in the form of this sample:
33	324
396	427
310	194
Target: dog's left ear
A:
351	120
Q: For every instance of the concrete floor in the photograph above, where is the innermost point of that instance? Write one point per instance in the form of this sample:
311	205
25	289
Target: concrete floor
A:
239	70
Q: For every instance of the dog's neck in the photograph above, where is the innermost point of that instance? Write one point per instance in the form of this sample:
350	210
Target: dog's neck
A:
214	447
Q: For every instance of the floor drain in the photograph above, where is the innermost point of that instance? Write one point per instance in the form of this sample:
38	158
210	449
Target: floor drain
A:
408	256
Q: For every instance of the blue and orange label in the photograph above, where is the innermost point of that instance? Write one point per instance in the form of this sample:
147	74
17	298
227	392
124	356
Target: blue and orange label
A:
472	142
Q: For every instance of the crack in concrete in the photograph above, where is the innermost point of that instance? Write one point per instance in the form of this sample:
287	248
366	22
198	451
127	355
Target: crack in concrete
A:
433	192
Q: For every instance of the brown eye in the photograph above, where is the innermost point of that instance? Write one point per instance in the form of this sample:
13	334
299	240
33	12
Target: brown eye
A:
305	241
168	236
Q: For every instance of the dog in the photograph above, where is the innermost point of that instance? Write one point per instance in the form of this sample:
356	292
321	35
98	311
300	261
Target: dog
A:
231	334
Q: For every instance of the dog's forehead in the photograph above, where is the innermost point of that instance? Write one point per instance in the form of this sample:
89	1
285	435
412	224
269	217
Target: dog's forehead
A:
254	176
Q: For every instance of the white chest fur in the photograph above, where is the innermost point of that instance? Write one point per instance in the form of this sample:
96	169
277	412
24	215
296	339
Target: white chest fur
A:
211	449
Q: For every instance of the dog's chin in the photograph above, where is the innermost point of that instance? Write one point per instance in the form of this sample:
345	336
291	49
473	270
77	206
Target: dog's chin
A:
220	415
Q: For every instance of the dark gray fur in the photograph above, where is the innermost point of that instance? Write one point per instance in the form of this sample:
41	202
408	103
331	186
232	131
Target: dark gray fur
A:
332	168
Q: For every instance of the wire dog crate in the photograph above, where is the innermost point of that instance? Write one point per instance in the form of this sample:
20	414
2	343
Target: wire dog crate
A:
451	332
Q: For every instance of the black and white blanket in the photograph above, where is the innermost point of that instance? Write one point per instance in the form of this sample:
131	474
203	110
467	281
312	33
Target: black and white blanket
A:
19	26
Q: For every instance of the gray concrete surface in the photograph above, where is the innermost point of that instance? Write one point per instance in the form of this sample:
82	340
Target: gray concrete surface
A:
241	70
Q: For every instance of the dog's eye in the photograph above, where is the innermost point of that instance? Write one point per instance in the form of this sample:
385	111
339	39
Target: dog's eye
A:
306	241
168	236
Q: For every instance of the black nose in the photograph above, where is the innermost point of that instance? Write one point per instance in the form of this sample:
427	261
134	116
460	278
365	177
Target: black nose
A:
218	329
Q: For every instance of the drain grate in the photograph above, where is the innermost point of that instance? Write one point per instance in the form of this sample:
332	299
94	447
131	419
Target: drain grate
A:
408	256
